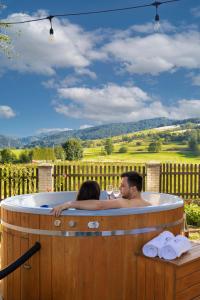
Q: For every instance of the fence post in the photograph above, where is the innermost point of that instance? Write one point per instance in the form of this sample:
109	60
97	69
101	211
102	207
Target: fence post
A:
153	177
45	178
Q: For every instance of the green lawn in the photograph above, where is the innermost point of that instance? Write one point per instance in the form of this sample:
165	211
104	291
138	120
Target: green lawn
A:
174	153
142	156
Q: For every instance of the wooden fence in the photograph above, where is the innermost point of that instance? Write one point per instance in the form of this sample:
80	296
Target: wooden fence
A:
69	177
16	180
181	179
178	179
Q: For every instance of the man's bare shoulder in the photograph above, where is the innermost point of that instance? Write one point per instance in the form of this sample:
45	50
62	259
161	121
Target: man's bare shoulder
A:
134	202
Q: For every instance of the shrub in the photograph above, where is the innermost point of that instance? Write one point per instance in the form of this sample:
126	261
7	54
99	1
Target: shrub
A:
43	154
59	152
7	156
155	146
193	214
25	157
123	149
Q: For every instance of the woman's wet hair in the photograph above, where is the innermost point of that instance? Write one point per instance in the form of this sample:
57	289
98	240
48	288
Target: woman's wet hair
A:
89	190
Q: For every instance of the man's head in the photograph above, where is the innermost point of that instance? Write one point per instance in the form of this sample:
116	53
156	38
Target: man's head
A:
131	184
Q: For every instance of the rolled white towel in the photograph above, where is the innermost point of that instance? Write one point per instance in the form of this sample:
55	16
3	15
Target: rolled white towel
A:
175	247
153	247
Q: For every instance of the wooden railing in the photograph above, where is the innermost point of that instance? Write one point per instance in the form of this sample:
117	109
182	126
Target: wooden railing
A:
17	180
69	177
178	179
181	179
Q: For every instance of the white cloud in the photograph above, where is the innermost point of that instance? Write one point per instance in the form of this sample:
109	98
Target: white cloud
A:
137	49
149	27
51	130
84	71
185	109
6	112
85	126
113	103
157	52
72	47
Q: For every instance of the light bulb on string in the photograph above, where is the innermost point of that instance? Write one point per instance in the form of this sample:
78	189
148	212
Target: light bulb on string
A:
51	31
157	25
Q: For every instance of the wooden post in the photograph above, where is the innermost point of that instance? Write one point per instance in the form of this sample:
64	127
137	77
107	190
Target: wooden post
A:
45	178
153	177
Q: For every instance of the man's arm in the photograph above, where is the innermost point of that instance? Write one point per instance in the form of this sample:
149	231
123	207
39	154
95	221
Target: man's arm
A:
87	205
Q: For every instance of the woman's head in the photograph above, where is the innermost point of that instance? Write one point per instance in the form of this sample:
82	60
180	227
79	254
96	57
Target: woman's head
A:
89	190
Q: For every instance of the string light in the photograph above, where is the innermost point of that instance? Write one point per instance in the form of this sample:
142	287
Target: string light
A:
51	31
157	17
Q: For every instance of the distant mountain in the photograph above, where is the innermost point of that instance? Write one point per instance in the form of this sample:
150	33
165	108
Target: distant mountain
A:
97	132
9	142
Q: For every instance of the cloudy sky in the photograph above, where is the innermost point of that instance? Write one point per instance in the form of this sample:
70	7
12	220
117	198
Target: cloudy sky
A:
100	68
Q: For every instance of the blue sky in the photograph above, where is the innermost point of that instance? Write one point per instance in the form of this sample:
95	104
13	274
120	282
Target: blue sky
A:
101	68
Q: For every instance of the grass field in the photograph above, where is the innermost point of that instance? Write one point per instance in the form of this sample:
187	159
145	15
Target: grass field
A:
173	153
176	153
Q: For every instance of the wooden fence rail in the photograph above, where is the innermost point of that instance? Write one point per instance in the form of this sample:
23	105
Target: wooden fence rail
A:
178	179
181	179
69	177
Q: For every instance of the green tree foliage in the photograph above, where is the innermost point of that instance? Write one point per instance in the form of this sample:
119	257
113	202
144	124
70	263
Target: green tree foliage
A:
7	156
59	152
73	149
25	157
155	146
108	146
194	141
43	154
5	40
88	144
123	149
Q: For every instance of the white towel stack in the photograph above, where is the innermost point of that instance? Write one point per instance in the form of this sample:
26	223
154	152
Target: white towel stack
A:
175	247
167	246
153	247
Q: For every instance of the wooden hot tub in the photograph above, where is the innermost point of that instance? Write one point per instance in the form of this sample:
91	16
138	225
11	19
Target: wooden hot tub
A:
84	255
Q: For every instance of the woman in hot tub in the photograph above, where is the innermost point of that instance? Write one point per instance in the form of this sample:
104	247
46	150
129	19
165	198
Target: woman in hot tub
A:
130	188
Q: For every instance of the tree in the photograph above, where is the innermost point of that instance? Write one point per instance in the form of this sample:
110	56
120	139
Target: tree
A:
5	40
194	141
155	146
73	149
7	156
59	152
123	149
108	146
25	157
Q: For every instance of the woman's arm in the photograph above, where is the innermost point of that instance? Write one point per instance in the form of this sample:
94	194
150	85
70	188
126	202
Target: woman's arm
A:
87	205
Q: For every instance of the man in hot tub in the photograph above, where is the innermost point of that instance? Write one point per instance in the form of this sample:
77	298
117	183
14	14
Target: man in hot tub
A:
130	188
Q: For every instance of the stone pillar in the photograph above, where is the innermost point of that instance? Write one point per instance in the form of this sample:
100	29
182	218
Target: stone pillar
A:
45	178
153	177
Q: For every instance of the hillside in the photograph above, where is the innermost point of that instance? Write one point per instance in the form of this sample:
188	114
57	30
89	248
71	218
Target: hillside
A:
97	132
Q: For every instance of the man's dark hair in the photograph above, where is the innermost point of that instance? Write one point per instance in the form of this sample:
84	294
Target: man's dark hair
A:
134	179
89	190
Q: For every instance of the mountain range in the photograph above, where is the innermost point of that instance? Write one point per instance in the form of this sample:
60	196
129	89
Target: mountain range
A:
91	133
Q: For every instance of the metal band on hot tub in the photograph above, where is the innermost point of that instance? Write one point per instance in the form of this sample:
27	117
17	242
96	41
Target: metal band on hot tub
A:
91	233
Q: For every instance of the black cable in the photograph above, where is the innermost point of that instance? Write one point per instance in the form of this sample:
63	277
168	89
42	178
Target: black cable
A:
155	3
20	261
